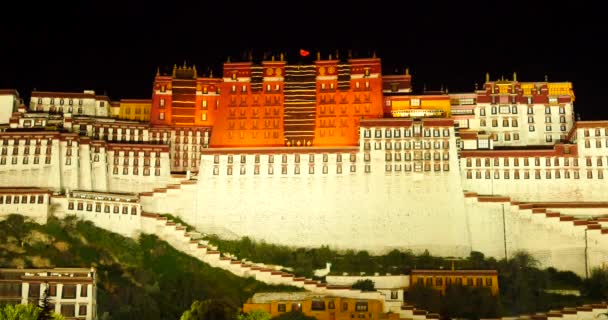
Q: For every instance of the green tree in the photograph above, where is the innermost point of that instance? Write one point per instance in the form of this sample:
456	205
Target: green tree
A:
424	297
364	285
45	307
596	287
24	312
254	315
293	315
210	310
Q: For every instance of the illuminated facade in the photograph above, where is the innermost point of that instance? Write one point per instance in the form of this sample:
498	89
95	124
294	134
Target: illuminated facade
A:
322	307
251	152
135	109
441	279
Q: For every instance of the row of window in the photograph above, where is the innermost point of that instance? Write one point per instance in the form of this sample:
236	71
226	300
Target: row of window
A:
396	133
135	171
80	206
506	109
8	199
27	142
60	109
418	167
598	143
440	281
284	158
445	144
296	169
68	291
597	131
70	101
26	150
135	161
26	160
526	161
557	174
184	162
418	155
319	305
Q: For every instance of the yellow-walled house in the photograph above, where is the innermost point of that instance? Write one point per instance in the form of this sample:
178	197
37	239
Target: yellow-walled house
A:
322	307
440	279
135	109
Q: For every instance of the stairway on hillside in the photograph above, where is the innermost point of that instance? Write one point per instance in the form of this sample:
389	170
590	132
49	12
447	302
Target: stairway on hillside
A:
300	104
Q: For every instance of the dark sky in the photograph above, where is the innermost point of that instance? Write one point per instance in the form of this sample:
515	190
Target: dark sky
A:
116	47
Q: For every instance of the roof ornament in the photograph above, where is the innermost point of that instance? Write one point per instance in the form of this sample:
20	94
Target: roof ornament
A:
211	73
228	59
546	78
515	76
350	53
194	69
174	70
157	71
374	54
272	58
330	57
487	77
184	65
318	55
407	71
337	55
282	56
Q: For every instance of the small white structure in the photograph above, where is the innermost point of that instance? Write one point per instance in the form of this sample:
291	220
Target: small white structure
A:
71	291
391	287
9	101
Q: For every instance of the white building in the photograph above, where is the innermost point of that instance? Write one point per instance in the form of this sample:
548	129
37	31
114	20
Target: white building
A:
9	102
85	103
523	113
391	287
72	292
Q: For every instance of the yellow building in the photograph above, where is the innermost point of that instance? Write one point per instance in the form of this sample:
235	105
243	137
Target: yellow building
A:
440	279
135	109
424	106
114	109
322	307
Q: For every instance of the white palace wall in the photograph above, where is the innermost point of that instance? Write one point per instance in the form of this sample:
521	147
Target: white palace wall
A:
554	239
378	207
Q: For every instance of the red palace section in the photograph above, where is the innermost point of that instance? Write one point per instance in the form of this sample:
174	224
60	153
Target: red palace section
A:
273	103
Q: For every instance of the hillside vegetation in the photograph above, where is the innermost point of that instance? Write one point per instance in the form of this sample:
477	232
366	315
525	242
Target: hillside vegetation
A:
137	279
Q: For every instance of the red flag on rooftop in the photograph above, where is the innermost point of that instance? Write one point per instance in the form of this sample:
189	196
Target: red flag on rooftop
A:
304	53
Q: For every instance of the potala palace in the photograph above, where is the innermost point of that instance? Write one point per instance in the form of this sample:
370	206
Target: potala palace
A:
326	152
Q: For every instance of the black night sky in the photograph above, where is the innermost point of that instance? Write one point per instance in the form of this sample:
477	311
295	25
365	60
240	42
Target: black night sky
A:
116	48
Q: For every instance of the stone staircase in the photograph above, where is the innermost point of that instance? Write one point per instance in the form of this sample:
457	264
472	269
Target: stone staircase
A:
194	244
558	240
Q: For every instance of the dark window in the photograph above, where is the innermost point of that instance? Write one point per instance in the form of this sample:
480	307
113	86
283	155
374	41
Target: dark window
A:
69	292
281	307
318	305
82	310
68	310
34	290
331	305
83	290
361	306
8	289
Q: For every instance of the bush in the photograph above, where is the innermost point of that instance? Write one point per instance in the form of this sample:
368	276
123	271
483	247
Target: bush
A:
364	285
